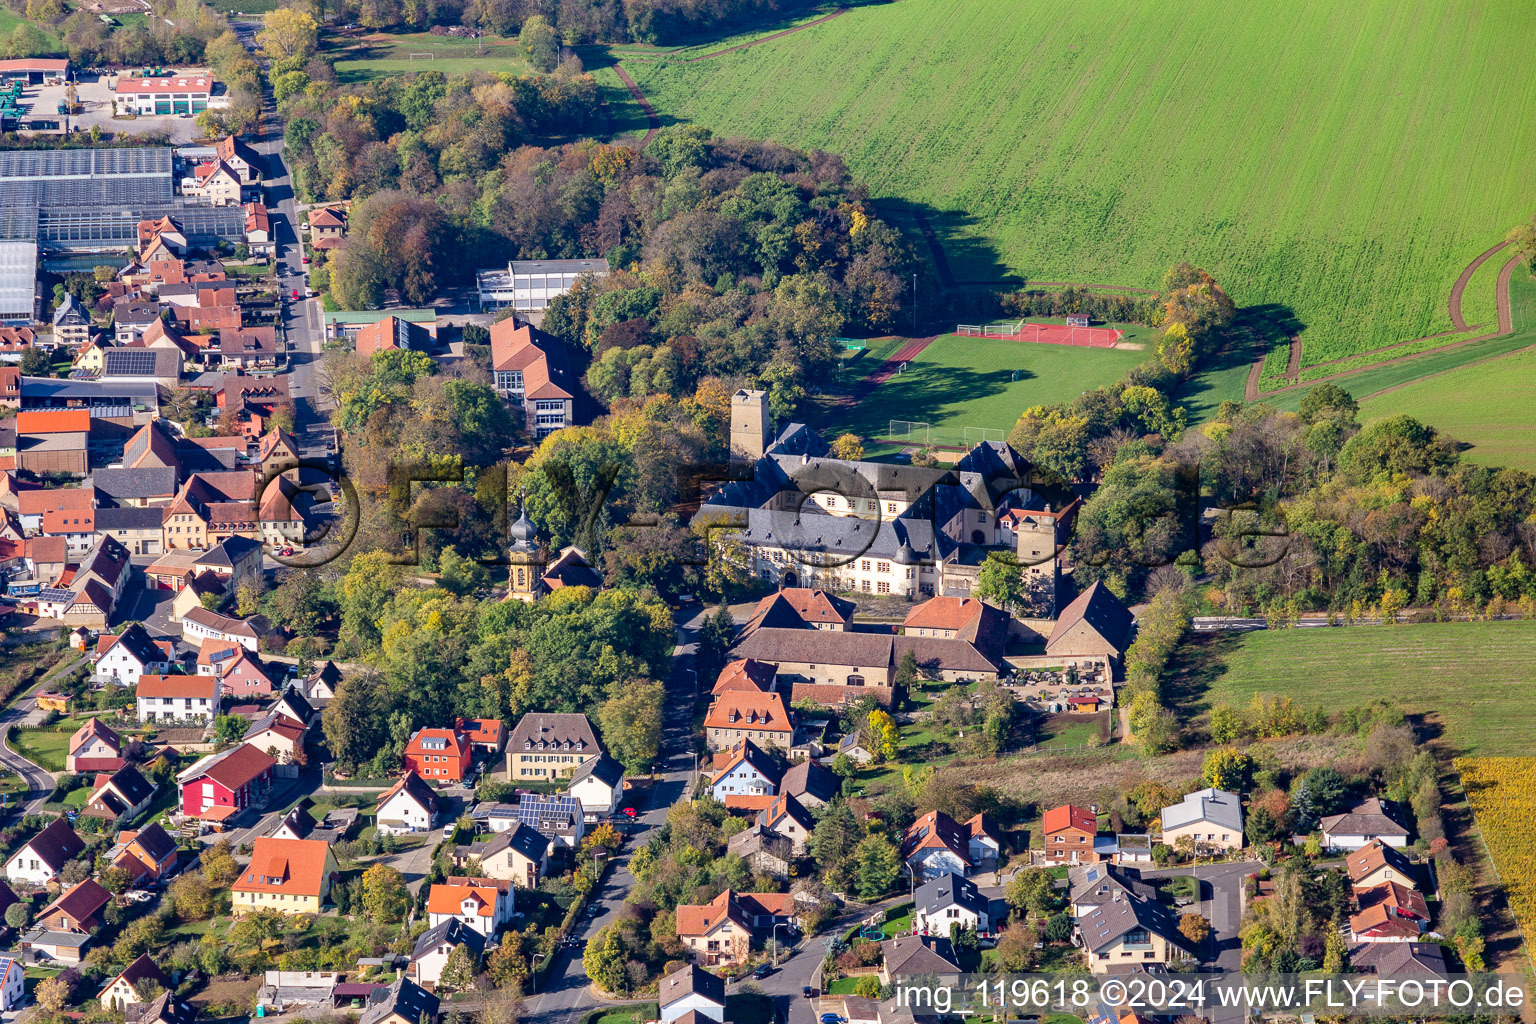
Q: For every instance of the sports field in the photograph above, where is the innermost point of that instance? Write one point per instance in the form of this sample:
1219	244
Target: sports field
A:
379	56
1338	162
1476	680
959	382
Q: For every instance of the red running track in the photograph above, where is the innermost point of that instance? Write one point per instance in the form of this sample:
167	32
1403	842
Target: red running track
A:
911	350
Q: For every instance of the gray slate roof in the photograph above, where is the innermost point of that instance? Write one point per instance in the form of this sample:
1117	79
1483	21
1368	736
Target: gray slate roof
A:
126	484
1213	805
948	890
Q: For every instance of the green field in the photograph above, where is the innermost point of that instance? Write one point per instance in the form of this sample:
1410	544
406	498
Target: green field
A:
46	746
380	56
960	382
1340	162
1476	681
9	20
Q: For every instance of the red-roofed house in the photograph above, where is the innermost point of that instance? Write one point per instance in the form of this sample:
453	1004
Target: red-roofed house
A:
1069	832
94	747
723	930
485	908
177	698
531	372
438	755
486	734
222	785
745	674
738	715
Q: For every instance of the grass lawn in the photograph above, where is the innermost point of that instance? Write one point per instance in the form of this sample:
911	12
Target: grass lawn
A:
624	1015
382	55
1348	184
960	382
10	20
842	987
1473	682
47	746
1070	731
245	6
1485	404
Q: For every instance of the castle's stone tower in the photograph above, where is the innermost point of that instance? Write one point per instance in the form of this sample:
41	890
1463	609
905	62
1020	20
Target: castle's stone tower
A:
751	426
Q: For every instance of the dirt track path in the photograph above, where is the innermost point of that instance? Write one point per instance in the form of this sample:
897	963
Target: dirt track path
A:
765	39
645	104
1454	305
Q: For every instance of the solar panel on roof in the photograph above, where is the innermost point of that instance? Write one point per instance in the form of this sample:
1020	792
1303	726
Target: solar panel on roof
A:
136	361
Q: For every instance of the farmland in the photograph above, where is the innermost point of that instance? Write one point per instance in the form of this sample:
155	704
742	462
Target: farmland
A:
1345	178
1473	681
960	382
1502	792
380	56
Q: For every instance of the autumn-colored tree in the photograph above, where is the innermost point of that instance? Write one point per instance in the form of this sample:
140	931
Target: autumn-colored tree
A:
848	447
52	994
1194	928
385	897
1226	768
881	734
219	863
288	35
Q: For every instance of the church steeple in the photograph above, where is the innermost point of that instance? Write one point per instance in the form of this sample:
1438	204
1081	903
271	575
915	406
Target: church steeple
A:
525	555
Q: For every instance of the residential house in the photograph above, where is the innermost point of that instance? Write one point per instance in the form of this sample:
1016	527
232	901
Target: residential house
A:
519	854
919	955
1388	912
949	900
283	740
33	504
131	319
242	673
936	845
531	370
1069	833
177	698
599	785
1376	862
1399	960
244	347
215	183
811	782
125	657
744	770
409	805
1130	933
962	619
764	851
42	857
139	530
239	158
167	1009
785	815
393	333
78	909
486	735
691	990
222	785
199	625
483	908
1092	885
191	590
327	224
320	685
258	229
292	704
1367	822
160	366
738	715
1211	818
71	323
558	819
94	747
148	854
136	983
744	674
120	796
278	453
438	755
292	876
431	950
722	931
802	608
545	745
404	1002
298	823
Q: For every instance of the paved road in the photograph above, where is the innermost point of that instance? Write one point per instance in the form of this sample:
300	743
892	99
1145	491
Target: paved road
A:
565	996
39	782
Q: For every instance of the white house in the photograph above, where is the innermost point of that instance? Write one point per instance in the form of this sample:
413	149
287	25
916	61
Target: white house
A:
45	854
947	901
408	806
122	659
599	785
200	624
178	698
483	908
1367	821
745	770
691	990
12	990
430	953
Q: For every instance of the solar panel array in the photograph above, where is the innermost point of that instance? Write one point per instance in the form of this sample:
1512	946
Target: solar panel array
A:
69	177
136	361
109	227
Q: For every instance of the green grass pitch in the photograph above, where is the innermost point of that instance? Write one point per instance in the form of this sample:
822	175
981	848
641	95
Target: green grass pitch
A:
1343	161
1477	678
960	382
384	56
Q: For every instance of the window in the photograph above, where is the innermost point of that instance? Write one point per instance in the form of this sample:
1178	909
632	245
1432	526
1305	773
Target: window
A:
864	564
890	506
883	588
883	567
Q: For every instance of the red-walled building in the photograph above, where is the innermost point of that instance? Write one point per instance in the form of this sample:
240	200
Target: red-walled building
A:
438	755
220	786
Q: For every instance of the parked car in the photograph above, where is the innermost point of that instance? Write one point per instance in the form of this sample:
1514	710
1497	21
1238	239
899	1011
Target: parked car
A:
807	991
763	970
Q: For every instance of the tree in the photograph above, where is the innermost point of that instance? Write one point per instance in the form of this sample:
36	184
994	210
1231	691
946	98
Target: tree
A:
879	865
867	986
385	898
1194	928
459	969
631	723
192	897
228	729
288	35
1226	724
1001	581
843	766
539	43
219	863
881	733
604	960
1015	949
52	994
1032	889
18	916
848	447
34	362
1226	768
1335	952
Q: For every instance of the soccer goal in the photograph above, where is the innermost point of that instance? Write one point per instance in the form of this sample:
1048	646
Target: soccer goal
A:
997	329
422	56
914	431
979	435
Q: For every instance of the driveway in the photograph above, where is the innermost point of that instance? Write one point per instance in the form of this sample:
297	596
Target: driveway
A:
1221	902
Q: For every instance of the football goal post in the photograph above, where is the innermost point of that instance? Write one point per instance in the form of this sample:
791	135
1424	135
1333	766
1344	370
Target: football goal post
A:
977	435
422	56
914	431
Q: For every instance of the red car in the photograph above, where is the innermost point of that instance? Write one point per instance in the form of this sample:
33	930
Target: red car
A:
295	293
305	260
286	551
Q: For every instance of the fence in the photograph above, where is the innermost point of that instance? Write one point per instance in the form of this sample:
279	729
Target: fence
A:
998	329
921	433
